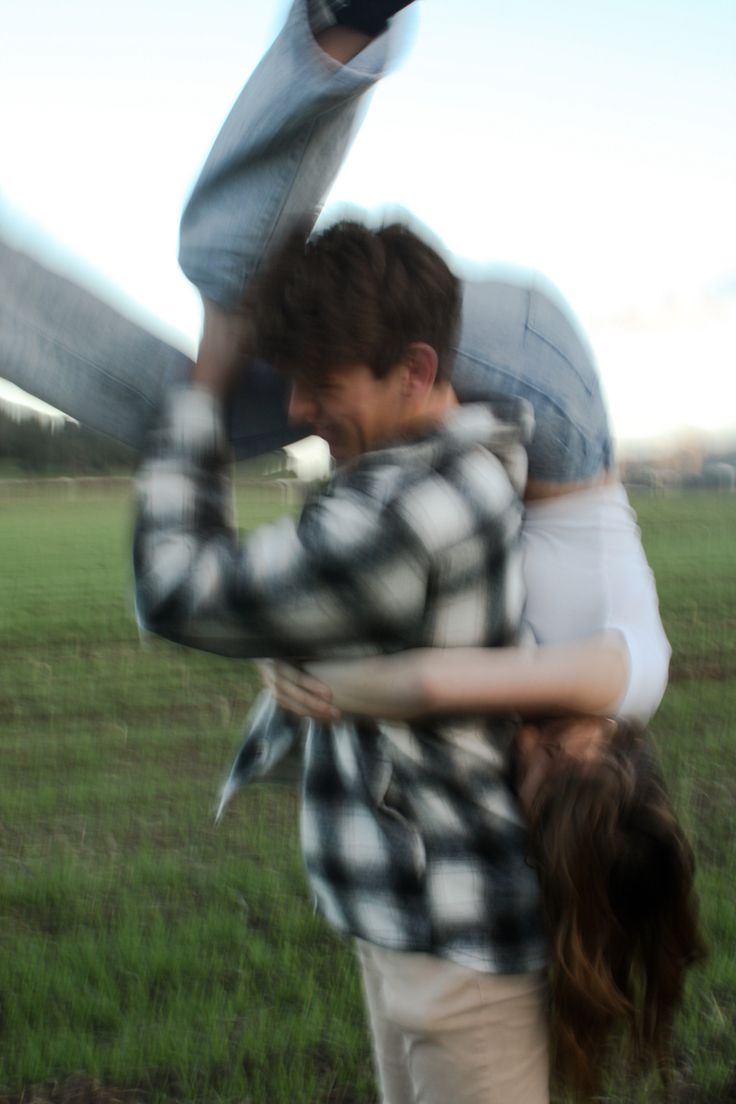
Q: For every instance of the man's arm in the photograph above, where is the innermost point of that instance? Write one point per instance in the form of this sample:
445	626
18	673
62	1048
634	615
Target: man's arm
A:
354	572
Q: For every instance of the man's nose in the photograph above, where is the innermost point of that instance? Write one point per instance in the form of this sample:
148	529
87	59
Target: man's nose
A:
302	406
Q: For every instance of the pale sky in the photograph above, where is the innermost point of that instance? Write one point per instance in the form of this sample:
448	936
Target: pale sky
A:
590	142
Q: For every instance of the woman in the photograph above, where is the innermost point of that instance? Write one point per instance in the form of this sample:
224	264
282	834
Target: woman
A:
615	868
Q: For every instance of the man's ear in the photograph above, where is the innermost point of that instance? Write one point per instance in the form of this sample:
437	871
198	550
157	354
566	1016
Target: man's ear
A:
420	365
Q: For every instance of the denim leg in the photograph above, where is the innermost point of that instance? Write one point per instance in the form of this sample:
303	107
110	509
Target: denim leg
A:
70	349
271	165
276	155
62	344
521	340
269	169
65	346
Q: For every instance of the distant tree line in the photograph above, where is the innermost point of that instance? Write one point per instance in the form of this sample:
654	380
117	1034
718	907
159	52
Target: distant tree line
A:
33	445
40	446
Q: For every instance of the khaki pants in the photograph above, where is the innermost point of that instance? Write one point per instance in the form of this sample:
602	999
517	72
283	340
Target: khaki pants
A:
444	1034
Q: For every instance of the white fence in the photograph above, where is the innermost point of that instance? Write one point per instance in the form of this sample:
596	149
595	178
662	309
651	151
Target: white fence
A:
289	492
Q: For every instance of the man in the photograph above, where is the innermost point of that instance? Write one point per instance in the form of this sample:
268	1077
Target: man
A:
273	161
412	838
272	164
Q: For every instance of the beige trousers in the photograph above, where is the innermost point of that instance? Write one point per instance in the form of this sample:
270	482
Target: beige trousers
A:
444	1034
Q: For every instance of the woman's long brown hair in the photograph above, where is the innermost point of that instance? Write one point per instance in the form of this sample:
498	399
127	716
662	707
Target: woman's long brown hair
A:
617	886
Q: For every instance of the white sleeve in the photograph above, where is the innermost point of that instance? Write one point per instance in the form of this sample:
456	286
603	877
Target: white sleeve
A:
586	572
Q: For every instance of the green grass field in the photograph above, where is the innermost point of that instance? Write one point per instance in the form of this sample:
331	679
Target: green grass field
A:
146	955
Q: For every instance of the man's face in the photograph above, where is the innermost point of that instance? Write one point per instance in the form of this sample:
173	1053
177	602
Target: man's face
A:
348	407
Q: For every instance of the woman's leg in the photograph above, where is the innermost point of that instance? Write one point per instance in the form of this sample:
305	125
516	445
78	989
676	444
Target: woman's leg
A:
70	349
520	340
276	155
269	170
271	165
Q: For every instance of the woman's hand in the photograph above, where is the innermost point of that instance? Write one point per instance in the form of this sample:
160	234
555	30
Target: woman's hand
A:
298	692
222	349
390	687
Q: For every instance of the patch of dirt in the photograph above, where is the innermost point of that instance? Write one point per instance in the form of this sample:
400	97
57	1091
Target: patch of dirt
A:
78	1088
711	670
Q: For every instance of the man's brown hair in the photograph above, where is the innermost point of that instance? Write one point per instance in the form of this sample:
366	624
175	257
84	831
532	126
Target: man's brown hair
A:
353	295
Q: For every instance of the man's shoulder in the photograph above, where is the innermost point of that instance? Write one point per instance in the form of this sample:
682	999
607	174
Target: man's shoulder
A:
467	495
477	449
446	486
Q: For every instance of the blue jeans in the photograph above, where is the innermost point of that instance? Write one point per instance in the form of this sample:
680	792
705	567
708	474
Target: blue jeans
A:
272	164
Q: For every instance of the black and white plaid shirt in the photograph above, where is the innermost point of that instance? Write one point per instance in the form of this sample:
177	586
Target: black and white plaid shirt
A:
411	834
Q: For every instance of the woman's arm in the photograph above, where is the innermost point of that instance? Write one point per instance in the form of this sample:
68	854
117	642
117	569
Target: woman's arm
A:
587	676
591	599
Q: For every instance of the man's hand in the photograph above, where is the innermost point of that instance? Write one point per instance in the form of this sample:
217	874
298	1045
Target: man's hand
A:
222	350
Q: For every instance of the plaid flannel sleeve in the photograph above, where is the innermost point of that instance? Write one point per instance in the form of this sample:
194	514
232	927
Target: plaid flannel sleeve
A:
353	571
